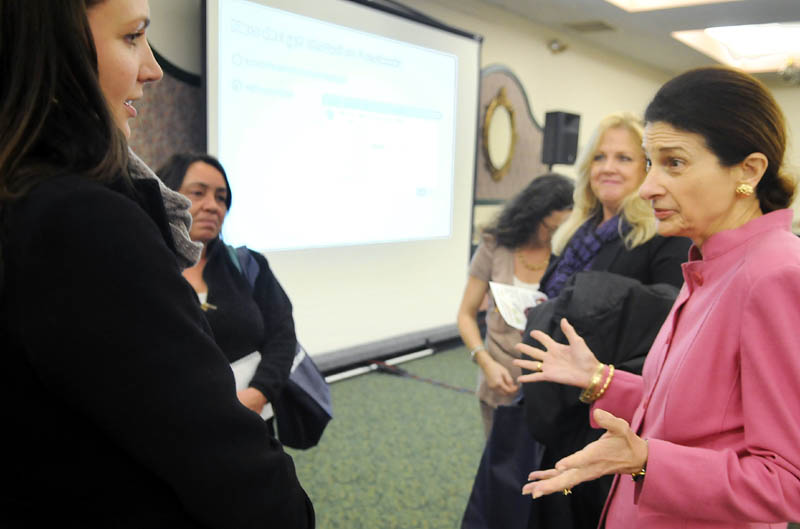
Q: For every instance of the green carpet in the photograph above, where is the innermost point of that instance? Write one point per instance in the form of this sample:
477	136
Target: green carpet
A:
400	453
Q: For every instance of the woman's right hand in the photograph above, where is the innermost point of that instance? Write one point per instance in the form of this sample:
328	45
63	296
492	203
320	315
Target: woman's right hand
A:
498	377
572	364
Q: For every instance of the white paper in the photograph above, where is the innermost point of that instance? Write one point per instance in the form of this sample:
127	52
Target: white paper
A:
512	301
243	371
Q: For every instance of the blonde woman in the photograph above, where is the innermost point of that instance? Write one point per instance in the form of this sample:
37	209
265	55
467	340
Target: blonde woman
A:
610	227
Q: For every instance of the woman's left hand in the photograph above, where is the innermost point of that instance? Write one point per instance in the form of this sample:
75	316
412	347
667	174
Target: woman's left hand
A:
618	451
252	398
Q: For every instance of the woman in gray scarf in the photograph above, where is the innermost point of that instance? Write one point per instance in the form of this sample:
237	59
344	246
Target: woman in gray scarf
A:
117	405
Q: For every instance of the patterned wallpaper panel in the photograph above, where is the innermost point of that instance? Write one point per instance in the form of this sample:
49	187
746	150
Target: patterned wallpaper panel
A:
527	160
171	118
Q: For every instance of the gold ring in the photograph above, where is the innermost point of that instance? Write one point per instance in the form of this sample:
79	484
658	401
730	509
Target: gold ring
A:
539	366
567	491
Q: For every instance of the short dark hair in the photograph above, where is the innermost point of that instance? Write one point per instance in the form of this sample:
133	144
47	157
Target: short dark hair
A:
54	118
520	218
174	170
737	116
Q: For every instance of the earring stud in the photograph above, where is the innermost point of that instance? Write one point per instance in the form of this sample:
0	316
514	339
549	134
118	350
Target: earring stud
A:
744	190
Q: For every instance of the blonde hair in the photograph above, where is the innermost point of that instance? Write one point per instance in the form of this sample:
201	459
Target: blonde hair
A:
636	211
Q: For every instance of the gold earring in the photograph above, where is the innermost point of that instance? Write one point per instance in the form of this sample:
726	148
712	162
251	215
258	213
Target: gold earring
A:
744	190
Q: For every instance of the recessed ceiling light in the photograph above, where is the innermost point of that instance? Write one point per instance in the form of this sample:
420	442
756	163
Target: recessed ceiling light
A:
752	48
633	6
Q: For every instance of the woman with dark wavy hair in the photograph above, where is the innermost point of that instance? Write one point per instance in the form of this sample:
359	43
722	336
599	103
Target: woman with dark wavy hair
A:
514	250
707	435
118	408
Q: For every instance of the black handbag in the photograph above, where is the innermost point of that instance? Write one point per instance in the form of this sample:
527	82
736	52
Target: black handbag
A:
304	408
510	454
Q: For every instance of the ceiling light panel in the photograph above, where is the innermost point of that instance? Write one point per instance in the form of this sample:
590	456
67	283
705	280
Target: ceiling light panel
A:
753	48
633	6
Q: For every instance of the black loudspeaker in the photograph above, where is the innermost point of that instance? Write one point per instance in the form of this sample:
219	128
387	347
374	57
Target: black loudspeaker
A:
560	143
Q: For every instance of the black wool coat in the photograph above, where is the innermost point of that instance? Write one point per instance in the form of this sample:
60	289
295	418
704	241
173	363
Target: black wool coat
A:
118	409
251	318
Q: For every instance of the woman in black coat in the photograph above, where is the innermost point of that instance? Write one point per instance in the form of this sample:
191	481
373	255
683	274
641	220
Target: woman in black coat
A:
245	318
118	408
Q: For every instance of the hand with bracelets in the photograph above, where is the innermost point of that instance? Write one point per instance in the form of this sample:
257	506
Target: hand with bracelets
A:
618	451
573	364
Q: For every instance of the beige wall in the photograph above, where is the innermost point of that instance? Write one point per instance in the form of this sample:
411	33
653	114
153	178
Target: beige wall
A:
788	98
583	79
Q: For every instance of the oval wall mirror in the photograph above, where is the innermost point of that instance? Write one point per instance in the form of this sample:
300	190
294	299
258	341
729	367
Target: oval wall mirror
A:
499	135
499	145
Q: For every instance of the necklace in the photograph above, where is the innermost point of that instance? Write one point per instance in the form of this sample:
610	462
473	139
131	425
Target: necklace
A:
533	267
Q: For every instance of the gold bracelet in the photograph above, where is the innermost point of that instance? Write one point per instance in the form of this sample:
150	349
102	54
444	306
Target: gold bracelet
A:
608	381
586	395
637	476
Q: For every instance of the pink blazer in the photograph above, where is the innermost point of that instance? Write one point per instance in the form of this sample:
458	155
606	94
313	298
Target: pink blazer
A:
719	397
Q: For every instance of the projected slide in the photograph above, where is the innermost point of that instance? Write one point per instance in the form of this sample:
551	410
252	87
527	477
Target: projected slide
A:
332	136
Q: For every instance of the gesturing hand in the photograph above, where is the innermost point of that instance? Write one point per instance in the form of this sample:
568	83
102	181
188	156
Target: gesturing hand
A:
571	364
618	451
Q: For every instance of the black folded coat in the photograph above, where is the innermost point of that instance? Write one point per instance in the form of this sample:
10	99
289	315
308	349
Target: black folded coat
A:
619	318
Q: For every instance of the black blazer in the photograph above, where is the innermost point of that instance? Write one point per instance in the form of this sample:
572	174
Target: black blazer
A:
118	408
656	261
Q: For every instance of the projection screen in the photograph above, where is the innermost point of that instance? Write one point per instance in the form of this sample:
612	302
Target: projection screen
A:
348	134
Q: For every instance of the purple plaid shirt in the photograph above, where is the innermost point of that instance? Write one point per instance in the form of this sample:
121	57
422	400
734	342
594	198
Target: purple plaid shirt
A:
581	250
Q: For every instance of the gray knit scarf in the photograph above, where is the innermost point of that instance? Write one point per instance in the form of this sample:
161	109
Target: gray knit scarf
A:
178	216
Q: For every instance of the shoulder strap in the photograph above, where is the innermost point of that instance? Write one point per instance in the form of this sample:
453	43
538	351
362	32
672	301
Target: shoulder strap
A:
232	253
245	263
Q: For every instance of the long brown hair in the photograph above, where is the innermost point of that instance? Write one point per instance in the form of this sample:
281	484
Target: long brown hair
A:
53	116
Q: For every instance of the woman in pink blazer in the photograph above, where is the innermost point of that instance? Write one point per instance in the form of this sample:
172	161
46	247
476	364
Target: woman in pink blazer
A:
709	435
